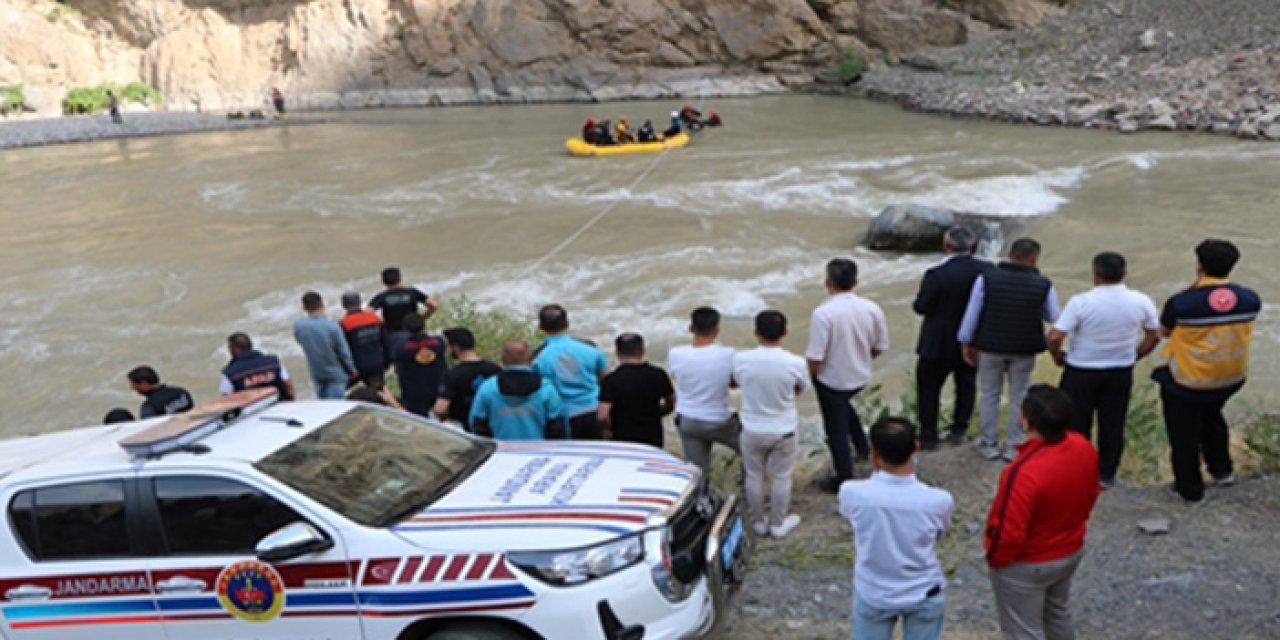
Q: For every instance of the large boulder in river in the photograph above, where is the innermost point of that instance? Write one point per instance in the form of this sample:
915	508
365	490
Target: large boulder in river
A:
919	228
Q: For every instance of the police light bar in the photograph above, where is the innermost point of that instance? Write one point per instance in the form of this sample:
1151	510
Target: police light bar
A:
184	429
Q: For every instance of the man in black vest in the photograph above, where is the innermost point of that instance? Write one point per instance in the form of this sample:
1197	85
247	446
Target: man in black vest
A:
252	369
161	399
943	294
1002	332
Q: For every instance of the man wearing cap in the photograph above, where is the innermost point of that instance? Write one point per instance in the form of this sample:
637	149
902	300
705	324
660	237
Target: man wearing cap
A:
368	339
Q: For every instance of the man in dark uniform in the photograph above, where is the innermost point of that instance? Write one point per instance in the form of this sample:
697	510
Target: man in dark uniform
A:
943	295
368	338
161	399
252	369
420	363
396	301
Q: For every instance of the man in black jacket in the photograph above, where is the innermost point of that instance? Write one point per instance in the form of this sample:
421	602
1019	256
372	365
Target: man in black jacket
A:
944	293
1002	332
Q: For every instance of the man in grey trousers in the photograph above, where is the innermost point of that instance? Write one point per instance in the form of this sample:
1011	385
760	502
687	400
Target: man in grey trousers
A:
1001	333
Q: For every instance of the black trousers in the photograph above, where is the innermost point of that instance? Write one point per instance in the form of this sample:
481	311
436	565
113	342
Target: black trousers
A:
1103	393
1196	427
930	376
842	426
584	426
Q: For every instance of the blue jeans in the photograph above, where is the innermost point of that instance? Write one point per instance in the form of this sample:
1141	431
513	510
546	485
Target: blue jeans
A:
330	390
841	424
921	622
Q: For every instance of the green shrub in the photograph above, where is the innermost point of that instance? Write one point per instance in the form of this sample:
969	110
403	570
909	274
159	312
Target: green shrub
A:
140	92
11	98
1146	445
1261	432
91	99
850	66
491	328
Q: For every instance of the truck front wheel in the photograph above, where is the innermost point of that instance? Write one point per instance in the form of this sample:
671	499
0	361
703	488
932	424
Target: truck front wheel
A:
477	631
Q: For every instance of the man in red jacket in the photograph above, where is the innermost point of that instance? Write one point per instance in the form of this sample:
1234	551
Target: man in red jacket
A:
1036	528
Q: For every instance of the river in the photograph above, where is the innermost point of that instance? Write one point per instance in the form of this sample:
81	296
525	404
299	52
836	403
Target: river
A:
153	250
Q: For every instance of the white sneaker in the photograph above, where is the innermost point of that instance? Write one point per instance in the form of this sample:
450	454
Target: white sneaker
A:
788	523
761	528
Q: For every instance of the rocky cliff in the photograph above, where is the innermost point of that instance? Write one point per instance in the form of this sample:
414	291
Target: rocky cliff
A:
218	54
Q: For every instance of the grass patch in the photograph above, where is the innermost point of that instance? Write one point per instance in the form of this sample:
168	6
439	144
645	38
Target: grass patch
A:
491	328
1146	445
82	100
11	98
850	66
1261	432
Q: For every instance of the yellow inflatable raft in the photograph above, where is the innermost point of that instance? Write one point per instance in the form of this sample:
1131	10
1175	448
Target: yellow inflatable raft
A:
578	147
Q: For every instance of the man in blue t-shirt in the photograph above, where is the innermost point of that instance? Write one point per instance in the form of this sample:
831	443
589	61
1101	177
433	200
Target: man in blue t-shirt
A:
574	367
516	404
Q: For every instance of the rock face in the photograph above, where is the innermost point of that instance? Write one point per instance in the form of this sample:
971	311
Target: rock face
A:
919	228
227	54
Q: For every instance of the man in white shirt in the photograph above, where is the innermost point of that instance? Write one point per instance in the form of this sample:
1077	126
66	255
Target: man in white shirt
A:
770	379
897	523
845	334
1104	324
703	373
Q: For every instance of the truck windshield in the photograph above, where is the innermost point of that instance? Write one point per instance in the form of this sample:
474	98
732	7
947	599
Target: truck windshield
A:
376	466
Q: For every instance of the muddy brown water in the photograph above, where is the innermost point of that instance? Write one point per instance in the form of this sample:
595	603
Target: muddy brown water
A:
153	250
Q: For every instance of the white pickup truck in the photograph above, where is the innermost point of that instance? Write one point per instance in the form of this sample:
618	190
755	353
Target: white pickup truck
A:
249	519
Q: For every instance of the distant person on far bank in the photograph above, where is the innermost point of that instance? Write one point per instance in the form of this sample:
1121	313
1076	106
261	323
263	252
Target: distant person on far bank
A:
1104	325
420	364
846	333
277	101
1002	332
703	373
898	522
368	339
770	378
941	300
1204	363
397	301
574	367
518	403
113	106
252	369
635	396
1037	524
328	355
161	399
458	386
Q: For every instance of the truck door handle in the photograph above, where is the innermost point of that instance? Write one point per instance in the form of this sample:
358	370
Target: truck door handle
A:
28	592
179	584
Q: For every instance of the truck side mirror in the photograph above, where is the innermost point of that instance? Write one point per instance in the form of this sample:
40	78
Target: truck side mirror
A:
290	541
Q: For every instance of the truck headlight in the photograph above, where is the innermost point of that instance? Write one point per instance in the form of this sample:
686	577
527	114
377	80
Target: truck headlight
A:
568	567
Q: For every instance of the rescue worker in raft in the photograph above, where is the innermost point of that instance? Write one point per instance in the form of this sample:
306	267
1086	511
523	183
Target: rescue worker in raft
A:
692	118
589	131
646	133
604	134
674	129
623	131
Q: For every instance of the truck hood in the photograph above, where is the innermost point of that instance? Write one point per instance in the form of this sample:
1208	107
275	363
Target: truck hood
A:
553	495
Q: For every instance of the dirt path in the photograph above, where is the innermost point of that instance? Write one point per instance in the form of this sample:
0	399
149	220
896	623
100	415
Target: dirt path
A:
1215	575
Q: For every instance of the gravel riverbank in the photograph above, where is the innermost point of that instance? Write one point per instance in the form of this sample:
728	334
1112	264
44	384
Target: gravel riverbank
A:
32	132
1129	65
1212	575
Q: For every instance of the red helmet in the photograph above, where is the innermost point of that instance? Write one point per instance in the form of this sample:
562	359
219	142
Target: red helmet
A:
590	121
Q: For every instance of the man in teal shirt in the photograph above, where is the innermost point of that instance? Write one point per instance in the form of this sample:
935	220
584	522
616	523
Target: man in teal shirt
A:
574	367
516	404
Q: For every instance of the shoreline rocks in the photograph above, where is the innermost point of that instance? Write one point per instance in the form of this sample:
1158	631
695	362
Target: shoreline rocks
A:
1102	65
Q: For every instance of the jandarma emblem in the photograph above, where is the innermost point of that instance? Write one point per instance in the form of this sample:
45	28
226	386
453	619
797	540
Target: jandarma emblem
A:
251	591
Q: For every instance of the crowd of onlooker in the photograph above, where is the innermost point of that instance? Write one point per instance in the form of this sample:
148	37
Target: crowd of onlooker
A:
983	324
